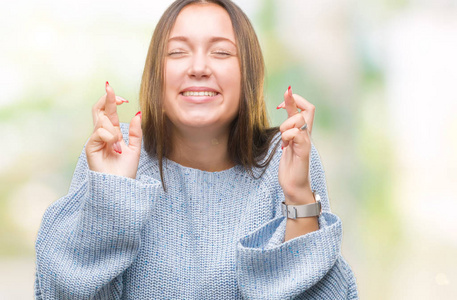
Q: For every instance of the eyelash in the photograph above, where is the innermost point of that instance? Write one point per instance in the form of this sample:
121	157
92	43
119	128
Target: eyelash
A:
216	52
222	52
175	52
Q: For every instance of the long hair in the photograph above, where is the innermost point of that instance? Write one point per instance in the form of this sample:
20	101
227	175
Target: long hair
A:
250	134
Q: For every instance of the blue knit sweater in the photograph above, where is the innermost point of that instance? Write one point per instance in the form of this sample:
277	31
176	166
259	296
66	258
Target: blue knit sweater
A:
212	235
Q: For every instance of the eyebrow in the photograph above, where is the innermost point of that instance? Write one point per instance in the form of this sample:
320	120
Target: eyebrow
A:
213	39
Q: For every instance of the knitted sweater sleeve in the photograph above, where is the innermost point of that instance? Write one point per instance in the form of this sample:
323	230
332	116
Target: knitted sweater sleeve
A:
90	236
307	267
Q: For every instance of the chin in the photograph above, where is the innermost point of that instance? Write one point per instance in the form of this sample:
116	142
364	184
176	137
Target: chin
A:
199	124
198	119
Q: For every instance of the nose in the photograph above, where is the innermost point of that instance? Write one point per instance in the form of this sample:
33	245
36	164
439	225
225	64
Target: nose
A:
199	66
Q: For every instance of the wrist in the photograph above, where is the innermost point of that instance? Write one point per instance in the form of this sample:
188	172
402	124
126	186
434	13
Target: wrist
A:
300	196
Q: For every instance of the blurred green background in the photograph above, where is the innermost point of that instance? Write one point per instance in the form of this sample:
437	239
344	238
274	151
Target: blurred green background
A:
381	73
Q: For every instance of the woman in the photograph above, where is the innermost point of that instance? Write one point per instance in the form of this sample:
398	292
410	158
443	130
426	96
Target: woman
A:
194	212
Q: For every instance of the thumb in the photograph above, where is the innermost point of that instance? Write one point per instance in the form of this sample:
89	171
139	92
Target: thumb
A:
135	133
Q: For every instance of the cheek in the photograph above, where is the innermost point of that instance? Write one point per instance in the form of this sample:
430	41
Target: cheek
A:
232	77
175	72
171	75
170	81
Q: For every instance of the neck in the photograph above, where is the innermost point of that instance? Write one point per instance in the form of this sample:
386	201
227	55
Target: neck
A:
203	151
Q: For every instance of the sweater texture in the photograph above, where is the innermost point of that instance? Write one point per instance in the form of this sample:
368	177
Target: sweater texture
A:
212	235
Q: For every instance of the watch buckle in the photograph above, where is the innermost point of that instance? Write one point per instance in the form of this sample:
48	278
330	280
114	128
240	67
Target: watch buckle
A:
294	216
288	213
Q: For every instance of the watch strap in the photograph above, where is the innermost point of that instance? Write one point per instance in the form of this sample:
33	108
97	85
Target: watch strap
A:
302	211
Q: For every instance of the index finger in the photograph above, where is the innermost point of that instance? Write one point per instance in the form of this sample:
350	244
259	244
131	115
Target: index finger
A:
100	106
289	102
110	106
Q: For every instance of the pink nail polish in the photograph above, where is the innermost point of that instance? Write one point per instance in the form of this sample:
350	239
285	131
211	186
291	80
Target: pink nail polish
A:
139	114
117	147
279	106
106	85
289	88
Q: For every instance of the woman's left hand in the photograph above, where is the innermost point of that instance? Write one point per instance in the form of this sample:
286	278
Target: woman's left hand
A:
296	143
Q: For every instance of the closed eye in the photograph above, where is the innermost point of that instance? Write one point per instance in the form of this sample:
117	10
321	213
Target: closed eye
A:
222	53
176	52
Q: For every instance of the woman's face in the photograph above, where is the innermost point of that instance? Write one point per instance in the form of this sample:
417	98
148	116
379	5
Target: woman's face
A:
202	71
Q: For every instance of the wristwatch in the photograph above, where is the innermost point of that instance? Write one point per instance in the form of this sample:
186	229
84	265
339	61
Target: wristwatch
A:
303	211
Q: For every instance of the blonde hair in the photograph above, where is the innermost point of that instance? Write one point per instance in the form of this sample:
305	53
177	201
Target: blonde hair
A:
250	134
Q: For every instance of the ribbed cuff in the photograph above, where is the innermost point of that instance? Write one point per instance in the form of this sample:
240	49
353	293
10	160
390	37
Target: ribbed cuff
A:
268	270
116	208
120	201
95	236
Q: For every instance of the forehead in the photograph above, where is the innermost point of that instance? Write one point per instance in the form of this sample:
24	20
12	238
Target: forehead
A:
199	21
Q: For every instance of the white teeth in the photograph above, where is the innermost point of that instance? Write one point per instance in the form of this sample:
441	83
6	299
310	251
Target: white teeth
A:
211	94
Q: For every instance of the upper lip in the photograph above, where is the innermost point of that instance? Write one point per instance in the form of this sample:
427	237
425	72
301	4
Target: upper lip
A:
199	89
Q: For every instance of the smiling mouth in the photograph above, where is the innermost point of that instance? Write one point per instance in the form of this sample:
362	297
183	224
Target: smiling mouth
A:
199	94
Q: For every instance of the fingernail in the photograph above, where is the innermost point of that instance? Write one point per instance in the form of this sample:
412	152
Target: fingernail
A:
123	100
117	147
288	88
279	106
282	147
106	85
139	114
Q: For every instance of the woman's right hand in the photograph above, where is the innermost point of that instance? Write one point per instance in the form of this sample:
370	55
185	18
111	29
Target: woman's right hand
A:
106	150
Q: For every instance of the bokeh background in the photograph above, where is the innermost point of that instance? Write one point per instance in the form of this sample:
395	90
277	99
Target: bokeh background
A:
382	74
